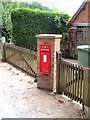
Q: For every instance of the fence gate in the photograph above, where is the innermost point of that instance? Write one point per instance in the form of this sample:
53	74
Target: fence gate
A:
69	79
22	58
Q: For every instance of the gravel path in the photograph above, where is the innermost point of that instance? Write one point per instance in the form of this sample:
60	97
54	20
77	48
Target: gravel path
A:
20	98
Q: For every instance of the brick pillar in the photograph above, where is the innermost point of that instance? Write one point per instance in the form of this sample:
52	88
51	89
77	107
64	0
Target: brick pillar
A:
44	81
72	36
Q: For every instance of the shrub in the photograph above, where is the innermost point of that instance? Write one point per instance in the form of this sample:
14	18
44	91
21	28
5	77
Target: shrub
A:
26	23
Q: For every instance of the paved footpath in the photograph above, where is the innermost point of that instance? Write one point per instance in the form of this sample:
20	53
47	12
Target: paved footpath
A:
20	98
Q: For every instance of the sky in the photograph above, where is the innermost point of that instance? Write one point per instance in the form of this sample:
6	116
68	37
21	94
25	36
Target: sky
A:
67	6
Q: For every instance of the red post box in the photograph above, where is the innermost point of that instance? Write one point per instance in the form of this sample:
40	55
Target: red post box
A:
45	59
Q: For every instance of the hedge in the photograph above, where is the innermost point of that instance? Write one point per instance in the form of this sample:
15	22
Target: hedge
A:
26	23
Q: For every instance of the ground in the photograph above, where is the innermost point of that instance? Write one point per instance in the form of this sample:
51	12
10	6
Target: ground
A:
20	98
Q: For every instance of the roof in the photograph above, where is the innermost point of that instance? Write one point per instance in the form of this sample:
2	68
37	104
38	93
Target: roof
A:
78	12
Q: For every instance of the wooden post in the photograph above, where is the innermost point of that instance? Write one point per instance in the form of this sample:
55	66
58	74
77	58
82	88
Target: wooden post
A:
87	91
3	49
58	58
89	32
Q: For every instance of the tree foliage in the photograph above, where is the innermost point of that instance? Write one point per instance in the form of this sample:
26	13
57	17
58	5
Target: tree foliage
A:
61	22
37	5
65	44
6	18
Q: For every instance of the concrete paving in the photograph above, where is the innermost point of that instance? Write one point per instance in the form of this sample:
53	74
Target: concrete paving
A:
20	98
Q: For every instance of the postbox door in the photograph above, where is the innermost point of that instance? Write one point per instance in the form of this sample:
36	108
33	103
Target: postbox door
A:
45	59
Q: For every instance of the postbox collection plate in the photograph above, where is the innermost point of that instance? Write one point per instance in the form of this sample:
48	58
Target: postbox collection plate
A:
45	58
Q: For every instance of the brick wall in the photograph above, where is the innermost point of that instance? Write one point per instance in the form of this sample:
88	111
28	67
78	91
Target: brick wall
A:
89	12
83	16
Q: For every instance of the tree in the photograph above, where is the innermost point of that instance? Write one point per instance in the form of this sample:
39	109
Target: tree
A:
24	5
37	5
61	24
6	18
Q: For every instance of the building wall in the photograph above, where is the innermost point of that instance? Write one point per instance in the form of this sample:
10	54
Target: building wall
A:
80	38
83	16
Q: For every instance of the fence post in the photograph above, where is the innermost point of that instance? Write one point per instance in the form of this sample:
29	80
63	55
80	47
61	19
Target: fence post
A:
3	49
58	58
87	91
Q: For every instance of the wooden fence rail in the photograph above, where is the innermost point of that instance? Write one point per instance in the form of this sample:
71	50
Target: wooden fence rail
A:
22	58
71	77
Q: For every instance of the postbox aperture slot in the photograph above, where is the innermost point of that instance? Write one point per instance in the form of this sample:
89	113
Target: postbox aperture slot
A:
44	58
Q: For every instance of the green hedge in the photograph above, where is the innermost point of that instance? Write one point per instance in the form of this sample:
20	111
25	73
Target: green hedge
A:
26	23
